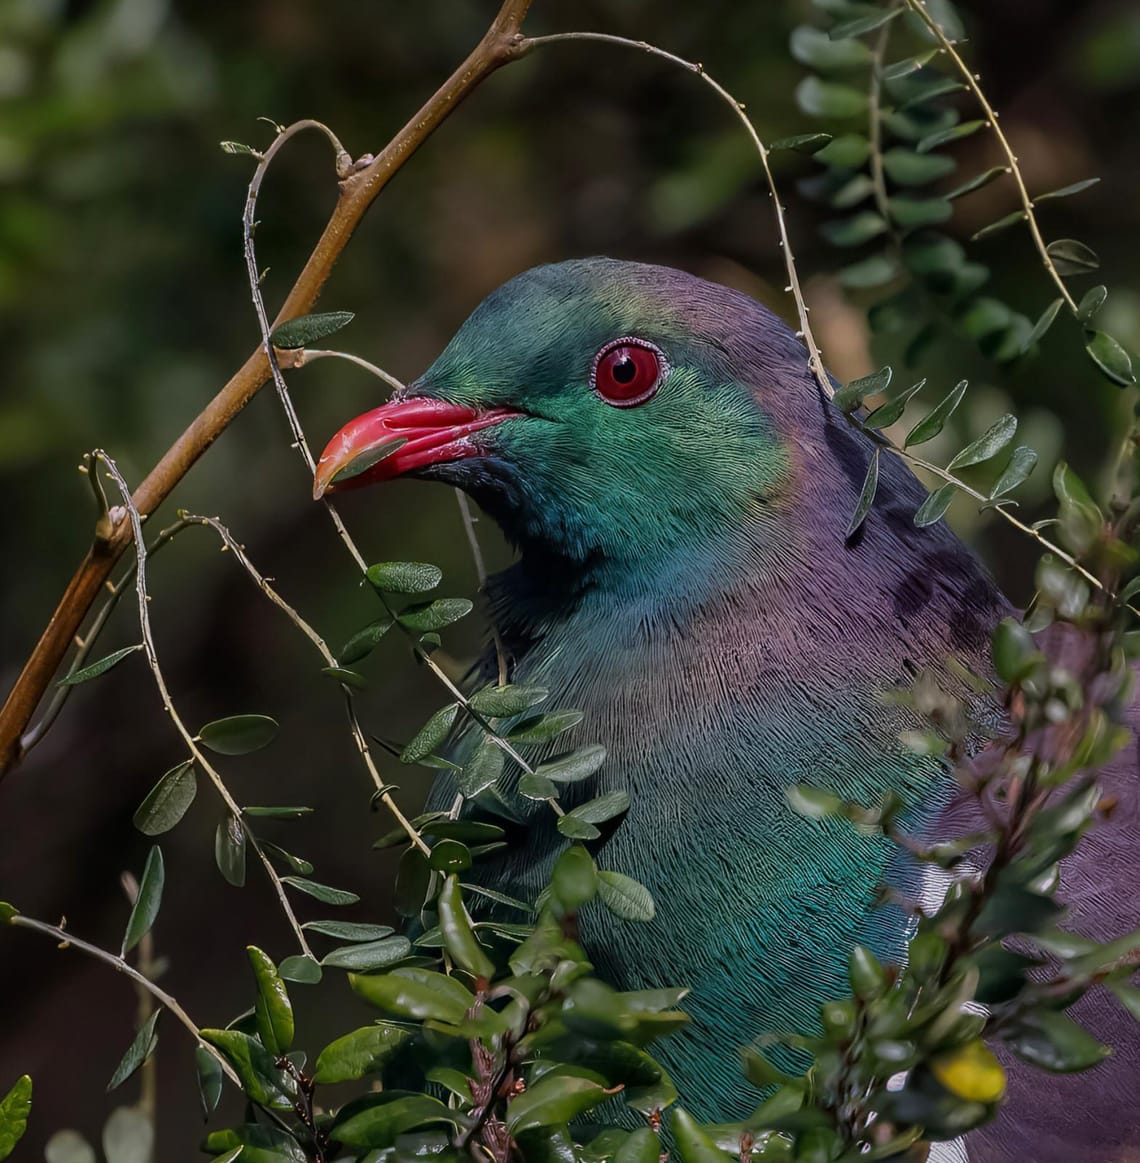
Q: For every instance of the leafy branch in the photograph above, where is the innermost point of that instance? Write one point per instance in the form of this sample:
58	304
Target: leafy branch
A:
500	45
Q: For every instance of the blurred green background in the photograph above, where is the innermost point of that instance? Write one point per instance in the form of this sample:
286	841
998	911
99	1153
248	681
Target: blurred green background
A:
124	307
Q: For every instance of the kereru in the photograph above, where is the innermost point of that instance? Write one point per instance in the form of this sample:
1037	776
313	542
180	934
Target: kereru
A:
679	489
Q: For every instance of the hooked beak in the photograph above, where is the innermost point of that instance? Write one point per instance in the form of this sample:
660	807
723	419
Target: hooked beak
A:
397	438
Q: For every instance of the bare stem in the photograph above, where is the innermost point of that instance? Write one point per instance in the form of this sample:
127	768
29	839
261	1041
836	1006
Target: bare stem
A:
815	357
160	995
168	703
972	82
308	354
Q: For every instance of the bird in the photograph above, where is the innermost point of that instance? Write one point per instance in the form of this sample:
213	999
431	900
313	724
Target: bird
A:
678	489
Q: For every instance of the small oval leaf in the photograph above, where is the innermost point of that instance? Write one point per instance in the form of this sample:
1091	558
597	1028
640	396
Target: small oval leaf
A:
239	734
306	329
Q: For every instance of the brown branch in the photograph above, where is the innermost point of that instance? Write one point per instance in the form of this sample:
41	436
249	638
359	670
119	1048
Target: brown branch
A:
502	43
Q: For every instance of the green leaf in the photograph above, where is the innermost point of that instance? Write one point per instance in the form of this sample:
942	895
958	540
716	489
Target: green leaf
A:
1055	1042
540	728
853	231
15	1107
866	495
349	930
852	395
977	182
326	894
254	1143
906	168
695	1146
286	812
536	787
416	994
430	735
482	769
501	701
377	1127
601	808
827	99
469	831
261	1079
847	152
640	1146
304	330
450	856
458	936
574	880
147	903
229	850
141	1048
1021	464
435	615
934	507
814	48
413	877
7	912
301	970
988	445
500	898
349	678
945	136
1003	223
1014	651
128	1136
208	1071
861	25
553	1100
404	577
364	1051
625	897
293	863
239	734
1091	302
933	422
1043	324
370	955
1067	191
1111	358
886	414
574	828
574	765
911	213
364	641
273	1011
68	1147
166	803
814	803
801	143
1071	257
97	668
874	271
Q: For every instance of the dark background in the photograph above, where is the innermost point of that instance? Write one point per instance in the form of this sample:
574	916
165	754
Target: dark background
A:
124	307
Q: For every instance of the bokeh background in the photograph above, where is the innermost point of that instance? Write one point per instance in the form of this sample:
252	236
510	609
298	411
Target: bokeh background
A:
124	307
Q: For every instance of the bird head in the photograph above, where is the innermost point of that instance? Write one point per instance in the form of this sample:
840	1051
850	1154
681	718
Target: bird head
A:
606	413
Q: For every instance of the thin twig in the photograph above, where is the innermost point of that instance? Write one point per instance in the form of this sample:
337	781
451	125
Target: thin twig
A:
308	354
302	445
481	578
971	79
500	44
66	940
84	644
815	357
168	703
326	654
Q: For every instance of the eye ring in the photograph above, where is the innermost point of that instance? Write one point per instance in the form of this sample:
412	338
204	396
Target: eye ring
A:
628	371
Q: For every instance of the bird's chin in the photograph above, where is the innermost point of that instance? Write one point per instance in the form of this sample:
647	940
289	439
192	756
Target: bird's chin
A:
403	437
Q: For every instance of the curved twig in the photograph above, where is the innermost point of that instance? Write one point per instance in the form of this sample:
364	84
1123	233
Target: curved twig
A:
501	44
168	703
815	357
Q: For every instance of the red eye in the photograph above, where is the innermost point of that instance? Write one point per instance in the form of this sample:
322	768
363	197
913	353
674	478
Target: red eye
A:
628	371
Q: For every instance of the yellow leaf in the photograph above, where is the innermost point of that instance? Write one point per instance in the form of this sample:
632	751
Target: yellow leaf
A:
970	1072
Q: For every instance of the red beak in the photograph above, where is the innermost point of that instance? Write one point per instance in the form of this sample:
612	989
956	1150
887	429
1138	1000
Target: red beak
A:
397	438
